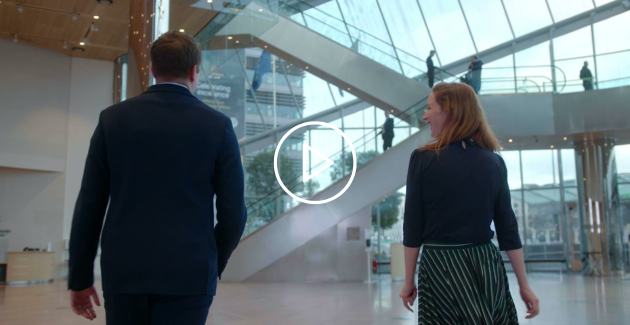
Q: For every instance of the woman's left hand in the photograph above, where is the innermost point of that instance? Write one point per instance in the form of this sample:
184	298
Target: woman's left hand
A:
408	295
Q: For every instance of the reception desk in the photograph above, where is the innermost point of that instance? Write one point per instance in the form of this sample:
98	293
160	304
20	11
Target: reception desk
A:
28	267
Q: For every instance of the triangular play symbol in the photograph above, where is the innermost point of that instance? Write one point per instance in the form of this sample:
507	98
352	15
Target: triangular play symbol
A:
305	150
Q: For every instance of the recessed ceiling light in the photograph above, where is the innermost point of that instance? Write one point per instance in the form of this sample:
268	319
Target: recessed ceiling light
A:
230	37
348	88
182	30
307	67
81	43
260	10
96	17
209	1
565	138
552	146
237	42
510	141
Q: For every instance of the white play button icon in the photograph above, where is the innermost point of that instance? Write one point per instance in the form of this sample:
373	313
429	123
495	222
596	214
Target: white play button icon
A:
305	150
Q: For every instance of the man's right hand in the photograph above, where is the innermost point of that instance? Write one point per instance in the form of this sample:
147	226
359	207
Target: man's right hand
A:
81	303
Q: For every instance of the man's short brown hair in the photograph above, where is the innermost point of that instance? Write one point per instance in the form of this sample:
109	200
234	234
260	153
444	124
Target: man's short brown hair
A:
174	54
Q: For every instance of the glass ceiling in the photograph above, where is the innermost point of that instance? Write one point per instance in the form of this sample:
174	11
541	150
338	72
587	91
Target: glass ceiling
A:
454	28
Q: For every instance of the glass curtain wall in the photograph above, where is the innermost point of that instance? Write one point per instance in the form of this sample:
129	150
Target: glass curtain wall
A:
544	199
400	35
622	155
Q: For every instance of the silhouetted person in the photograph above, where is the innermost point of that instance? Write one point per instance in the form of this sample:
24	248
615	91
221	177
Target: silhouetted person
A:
158	160
431	69
587	77
474	73
387	132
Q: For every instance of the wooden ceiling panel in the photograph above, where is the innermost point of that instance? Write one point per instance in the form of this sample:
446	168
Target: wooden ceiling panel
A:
49	23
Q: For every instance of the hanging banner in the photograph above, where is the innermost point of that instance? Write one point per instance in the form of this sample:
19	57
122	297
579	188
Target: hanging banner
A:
222	87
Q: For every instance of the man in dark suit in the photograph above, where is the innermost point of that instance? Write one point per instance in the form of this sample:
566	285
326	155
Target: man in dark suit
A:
586	76
388	132
159	159
431	69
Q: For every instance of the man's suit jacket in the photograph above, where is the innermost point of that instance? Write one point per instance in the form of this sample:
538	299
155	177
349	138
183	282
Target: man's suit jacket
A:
159	159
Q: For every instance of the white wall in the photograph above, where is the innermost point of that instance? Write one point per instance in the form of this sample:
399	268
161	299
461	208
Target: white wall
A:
91	91
49	107
34	90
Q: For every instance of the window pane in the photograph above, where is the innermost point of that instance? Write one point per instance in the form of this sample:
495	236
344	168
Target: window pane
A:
488	22
365	16
527	16
569	174
538	169
512	163
612	34
408	30
575	44
613	70
497	77
534	69
573	222
543	215
517	206
622	155
448	29
563	9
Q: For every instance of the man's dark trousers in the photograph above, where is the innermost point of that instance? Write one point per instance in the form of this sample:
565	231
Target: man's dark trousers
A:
141	309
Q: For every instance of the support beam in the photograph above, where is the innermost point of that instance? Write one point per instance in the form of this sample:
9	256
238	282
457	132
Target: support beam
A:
140	33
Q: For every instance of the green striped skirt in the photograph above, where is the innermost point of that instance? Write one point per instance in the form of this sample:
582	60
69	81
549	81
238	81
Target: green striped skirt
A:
463	284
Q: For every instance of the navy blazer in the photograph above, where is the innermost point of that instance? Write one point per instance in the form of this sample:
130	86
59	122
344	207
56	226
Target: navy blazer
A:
453	198
159	159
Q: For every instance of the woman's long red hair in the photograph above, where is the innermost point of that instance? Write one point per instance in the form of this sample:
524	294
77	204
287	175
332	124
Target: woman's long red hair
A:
465	118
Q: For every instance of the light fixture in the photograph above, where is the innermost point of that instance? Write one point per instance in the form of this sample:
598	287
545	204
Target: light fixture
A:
565	138
182	30
237	42
15	40
230	37
501	148
75	17
20	9
348	88
209	1
81	43
96	17
260	10
65	45
552	146
265	46
307	67
510	141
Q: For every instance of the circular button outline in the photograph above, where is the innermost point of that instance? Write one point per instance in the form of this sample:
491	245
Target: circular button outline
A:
354	162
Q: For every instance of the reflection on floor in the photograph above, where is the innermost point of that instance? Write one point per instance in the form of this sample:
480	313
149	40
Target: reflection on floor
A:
571	300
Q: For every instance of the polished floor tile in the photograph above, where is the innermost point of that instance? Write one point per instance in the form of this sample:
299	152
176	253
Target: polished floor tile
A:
570	299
